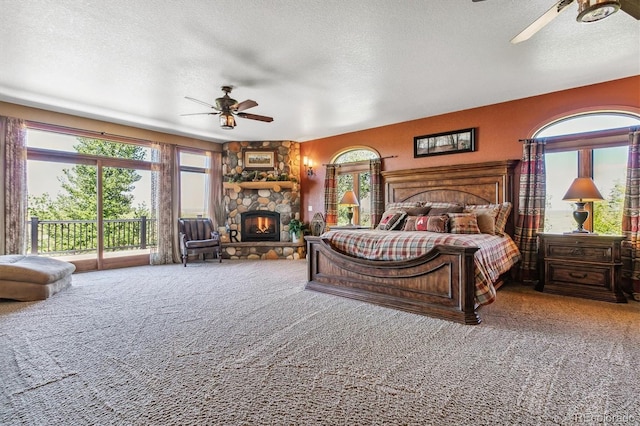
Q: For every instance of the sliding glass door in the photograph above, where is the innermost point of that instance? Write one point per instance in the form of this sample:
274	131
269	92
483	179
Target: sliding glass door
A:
89	200
61	223
127	228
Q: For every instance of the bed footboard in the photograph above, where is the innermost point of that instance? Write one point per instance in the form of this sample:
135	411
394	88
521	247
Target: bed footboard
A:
439	284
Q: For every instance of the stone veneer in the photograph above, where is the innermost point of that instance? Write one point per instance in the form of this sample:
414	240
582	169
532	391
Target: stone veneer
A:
282	197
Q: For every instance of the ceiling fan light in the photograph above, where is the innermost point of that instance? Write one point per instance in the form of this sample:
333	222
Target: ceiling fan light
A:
227	121
595	10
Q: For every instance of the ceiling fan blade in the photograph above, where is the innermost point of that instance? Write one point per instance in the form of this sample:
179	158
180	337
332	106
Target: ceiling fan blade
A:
632	7
539	23
200	102
244	105
201	113
255	117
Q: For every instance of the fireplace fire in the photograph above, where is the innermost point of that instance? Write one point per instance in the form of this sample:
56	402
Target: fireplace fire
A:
260	225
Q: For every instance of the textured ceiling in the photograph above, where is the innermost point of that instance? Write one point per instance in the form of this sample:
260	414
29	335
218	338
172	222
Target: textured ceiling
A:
320	68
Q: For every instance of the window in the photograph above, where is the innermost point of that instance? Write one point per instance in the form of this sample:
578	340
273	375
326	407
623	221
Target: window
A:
586	145
353	174
193	183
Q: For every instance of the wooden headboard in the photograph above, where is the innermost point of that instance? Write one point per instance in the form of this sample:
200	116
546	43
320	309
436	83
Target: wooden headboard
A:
481	183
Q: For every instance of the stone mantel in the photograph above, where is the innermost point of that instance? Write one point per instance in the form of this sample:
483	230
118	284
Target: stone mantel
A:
275	186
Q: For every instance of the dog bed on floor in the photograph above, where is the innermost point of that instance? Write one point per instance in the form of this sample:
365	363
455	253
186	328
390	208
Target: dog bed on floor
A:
28	278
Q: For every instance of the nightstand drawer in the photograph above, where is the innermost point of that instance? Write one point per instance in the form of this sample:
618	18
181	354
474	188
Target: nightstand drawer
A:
580	250
583	274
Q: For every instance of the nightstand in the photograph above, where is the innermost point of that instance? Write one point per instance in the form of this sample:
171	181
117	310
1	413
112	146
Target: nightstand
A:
581	265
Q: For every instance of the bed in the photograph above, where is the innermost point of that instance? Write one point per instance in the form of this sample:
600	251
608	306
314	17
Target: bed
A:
445	277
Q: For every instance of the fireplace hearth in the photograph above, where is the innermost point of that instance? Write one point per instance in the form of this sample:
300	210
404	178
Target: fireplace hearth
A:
260	225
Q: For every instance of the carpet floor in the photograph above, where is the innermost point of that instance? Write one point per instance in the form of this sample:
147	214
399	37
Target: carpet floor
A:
242	343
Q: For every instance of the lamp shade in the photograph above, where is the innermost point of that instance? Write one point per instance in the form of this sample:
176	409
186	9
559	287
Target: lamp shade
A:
227	121
349	199
583	190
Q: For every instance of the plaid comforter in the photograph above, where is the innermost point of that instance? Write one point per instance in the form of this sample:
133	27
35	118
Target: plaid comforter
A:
496	254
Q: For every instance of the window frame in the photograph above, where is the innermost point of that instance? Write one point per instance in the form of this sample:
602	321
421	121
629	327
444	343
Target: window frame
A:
191	169
355	169
584	144
100	162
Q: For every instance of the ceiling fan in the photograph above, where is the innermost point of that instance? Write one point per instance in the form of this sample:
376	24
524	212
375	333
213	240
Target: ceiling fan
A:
588	11
228	108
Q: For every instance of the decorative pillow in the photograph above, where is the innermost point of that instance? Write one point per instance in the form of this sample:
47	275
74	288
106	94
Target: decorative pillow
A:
503	217
410	223
439	211
486	217
417	211
402	205
463	223
441	204
432	223
390	220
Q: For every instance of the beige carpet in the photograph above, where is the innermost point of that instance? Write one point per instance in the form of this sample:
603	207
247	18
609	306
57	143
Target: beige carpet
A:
242	343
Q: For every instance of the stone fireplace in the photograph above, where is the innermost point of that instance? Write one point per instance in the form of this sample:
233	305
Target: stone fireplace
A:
260	225
260	208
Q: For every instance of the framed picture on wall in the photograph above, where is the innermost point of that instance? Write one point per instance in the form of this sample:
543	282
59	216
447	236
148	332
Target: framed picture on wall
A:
445	143
256	159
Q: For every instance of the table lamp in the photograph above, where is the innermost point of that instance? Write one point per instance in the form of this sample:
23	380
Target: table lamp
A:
350	200
582	191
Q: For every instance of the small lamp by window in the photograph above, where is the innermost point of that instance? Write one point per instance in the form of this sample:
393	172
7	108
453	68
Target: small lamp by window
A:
350	200
582	191
308	166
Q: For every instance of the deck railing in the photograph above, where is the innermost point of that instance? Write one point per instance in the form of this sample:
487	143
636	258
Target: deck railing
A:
69	237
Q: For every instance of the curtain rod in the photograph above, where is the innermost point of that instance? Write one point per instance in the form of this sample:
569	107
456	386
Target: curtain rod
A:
356	162
72	131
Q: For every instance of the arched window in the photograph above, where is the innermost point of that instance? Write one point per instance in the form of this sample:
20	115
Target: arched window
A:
353	174
592	145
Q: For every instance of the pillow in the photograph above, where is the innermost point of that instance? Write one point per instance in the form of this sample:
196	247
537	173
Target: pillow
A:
439	211
463	223
412	215
486	217
410	223
432	223
403	205
502	216
417	211
390	220
441	204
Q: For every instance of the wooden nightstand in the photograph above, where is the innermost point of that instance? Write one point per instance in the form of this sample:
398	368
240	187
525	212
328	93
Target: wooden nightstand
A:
581	265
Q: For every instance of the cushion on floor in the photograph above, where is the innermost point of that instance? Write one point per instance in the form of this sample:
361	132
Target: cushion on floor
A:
27	278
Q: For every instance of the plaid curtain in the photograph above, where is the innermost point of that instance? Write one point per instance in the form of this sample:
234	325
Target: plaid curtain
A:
377	201
13	181
631	219
531	207
331	195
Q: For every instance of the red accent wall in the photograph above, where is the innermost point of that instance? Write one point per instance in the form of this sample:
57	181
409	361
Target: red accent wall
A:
498	129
